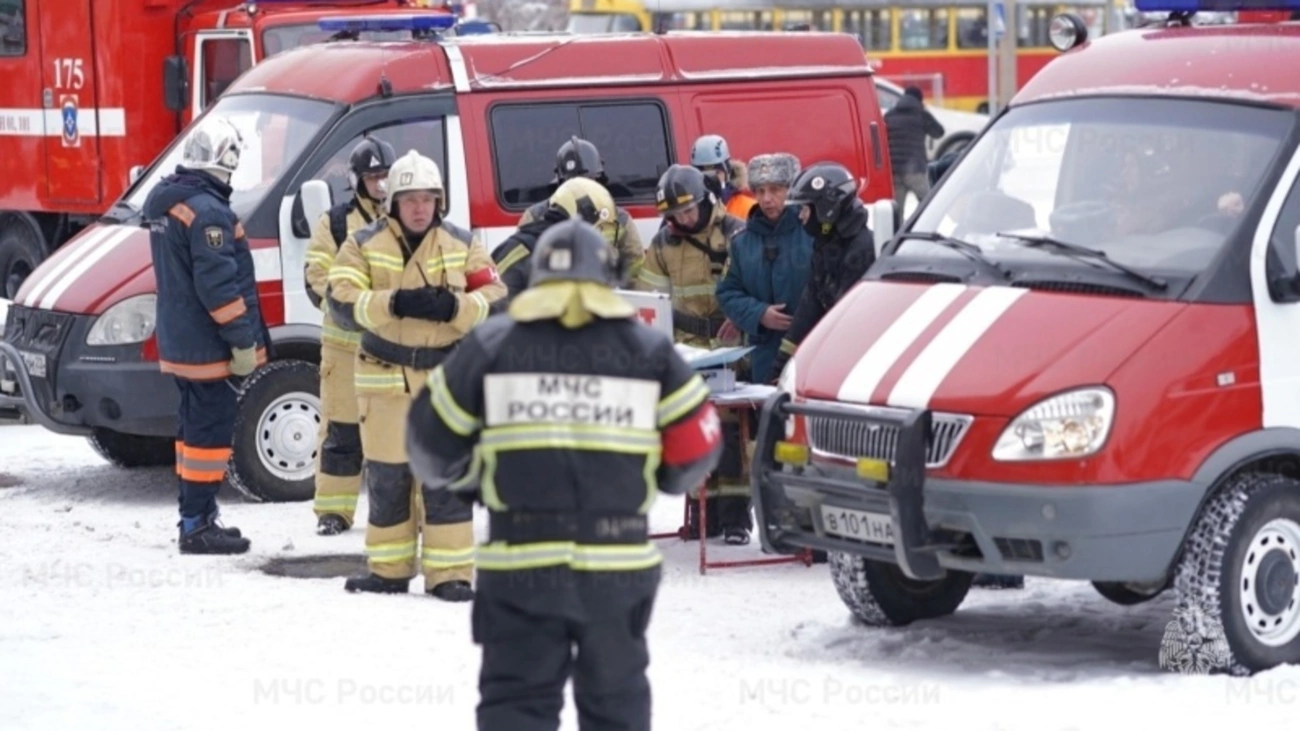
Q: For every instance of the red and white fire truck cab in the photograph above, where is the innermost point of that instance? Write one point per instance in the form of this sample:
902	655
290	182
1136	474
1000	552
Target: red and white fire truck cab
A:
1079	359
93	89
491	110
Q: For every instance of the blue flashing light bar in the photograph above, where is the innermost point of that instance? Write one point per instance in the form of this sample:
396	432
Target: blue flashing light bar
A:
1213	6
422	23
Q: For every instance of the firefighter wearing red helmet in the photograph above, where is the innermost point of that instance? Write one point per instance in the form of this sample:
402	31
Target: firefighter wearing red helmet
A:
579	158
567	455
338	466
414	285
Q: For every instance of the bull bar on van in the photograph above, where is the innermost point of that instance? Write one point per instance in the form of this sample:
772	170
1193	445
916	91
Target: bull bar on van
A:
875	486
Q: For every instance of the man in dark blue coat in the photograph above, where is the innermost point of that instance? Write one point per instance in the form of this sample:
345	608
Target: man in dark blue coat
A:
768	264
209	325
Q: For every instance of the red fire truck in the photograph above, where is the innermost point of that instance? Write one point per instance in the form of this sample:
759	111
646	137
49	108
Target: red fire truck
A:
94	88
78	354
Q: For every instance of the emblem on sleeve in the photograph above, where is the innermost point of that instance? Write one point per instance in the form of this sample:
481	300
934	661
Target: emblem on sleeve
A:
215	236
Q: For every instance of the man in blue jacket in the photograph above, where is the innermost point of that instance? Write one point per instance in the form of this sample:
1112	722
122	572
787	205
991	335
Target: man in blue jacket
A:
209	325
768	264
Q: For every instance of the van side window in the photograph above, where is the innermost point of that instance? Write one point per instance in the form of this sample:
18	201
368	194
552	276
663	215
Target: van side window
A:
13	31
224	59
632	138
423	135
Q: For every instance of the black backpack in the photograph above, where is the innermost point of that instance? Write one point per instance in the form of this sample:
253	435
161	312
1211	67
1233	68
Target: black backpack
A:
339	222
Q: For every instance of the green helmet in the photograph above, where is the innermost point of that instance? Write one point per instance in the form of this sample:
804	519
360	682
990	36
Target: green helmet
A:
575	251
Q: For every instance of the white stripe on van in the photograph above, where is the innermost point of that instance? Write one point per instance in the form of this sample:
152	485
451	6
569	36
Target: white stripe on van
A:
90	259
45	280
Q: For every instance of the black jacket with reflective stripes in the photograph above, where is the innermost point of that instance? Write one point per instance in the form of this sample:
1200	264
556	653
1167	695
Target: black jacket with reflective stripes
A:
566	436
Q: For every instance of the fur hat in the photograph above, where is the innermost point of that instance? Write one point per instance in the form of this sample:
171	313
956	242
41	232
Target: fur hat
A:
778	168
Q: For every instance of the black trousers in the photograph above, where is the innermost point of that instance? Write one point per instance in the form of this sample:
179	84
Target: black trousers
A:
204	432
529	653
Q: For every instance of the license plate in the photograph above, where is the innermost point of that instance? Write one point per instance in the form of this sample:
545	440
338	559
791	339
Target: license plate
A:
858	524
35	363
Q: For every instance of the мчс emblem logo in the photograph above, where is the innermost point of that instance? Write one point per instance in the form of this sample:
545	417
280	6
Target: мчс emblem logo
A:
215	236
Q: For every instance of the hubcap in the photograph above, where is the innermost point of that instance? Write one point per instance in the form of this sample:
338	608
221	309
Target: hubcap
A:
286	436
1270	579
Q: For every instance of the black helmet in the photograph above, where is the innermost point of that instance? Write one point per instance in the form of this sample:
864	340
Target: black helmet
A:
575	251
681	187
826	186
578	158
369	157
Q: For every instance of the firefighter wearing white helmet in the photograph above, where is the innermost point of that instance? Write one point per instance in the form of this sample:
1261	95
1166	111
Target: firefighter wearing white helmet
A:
577	198
413	285
211	328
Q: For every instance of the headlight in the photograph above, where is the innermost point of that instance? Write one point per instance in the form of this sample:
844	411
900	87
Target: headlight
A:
129	321
1072	424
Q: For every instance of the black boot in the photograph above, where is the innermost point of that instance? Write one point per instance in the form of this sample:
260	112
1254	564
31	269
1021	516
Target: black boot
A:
330	524
232	532
734	519
204	536
376	584
452	591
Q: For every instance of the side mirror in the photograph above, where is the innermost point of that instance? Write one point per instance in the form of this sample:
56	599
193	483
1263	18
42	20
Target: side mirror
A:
312	202
884	222
176	83
134	174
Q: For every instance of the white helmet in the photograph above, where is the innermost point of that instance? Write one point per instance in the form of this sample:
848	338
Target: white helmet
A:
214	146
413	171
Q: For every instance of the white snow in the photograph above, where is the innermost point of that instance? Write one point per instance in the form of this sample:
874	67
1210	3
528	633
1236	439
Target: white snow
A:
104	626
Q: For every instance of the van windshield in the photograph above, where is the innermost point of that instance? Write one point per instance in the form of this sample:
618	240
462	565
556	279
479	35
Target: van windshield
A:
275	130
1157	185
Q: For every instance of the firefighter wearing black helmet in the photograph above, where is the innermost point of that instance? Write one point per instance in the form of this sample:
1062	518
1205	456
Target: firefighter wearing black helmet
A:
685	261
564	417
578	158
338	467
843	247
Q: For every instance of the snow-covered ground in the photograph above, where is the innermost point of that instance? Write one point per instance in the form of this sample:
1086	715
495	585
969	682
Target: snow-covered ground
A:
104	626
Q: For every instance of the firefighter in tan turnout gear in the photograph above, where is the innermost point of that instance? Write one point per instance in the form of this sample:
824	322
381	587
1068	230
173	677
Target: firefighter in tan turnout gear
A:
685	261
415	285
338	468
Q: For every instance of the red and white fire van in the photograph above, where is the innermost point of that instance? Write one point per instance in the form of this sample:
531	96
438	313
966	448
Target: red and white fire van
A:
1079	359
93	90
491	110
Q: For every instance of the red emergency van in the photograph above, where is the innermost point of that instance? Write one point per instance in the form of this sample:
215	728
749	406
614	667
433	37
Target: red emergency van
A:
94	89
491	110
1079	359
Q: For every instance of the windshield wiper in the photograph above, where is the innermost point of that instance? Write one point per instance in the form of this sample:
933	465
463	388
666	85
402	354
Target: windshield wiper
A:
1083	253
965	248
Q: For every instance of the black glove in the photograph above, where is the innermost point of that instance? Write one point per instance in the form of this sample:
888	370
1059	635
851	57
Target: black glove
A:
435	304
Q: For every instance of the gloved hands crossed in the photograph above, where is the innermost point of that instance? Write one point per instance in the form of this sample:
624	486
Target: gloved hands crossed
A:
436	304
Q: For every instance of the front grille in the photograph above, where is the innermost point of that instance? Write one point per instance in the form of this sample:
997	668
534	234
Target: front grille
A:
837	437
40	332
1077	288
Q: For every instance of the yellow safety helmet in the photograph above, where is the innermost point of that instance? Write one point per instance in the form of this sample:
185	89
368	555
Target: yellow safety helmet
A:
586	200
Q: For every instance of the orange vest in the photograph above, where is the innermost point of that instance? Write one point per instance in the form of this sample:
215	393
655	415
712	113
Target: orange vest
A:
740	205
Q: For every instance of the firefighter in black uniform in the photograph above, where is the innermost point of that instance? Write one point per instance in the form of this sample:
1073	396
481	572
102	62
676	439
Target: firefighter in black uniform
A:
569	386
843	247
210	327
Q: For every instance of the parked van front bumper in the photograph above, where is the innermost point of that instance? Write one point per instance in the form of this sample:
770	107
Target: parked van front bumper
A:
1114	533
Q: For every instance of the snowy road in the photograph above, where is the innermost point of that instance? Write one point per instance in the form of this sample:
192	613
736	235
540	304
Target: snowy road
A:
104	626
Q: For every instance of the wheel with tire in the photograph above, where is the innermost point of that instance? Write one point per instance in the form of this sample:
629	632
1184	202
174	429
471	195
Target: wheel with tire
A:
1238	582
274	454
21	251
954	144
130	450
879	594
1127	594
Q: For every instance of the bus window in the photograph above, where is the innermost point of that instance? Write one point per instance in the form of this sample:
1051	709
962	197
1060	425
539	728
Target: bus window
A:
1034	24
604	23
680	21
734	20
924	30
872	27
806	20
973	28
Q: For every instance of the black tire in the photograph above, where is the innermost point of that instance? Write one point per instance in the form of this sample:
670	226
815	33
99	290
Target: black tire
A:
880	594
1249	529
21	251
953	144
1126	594
263	425
130	451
